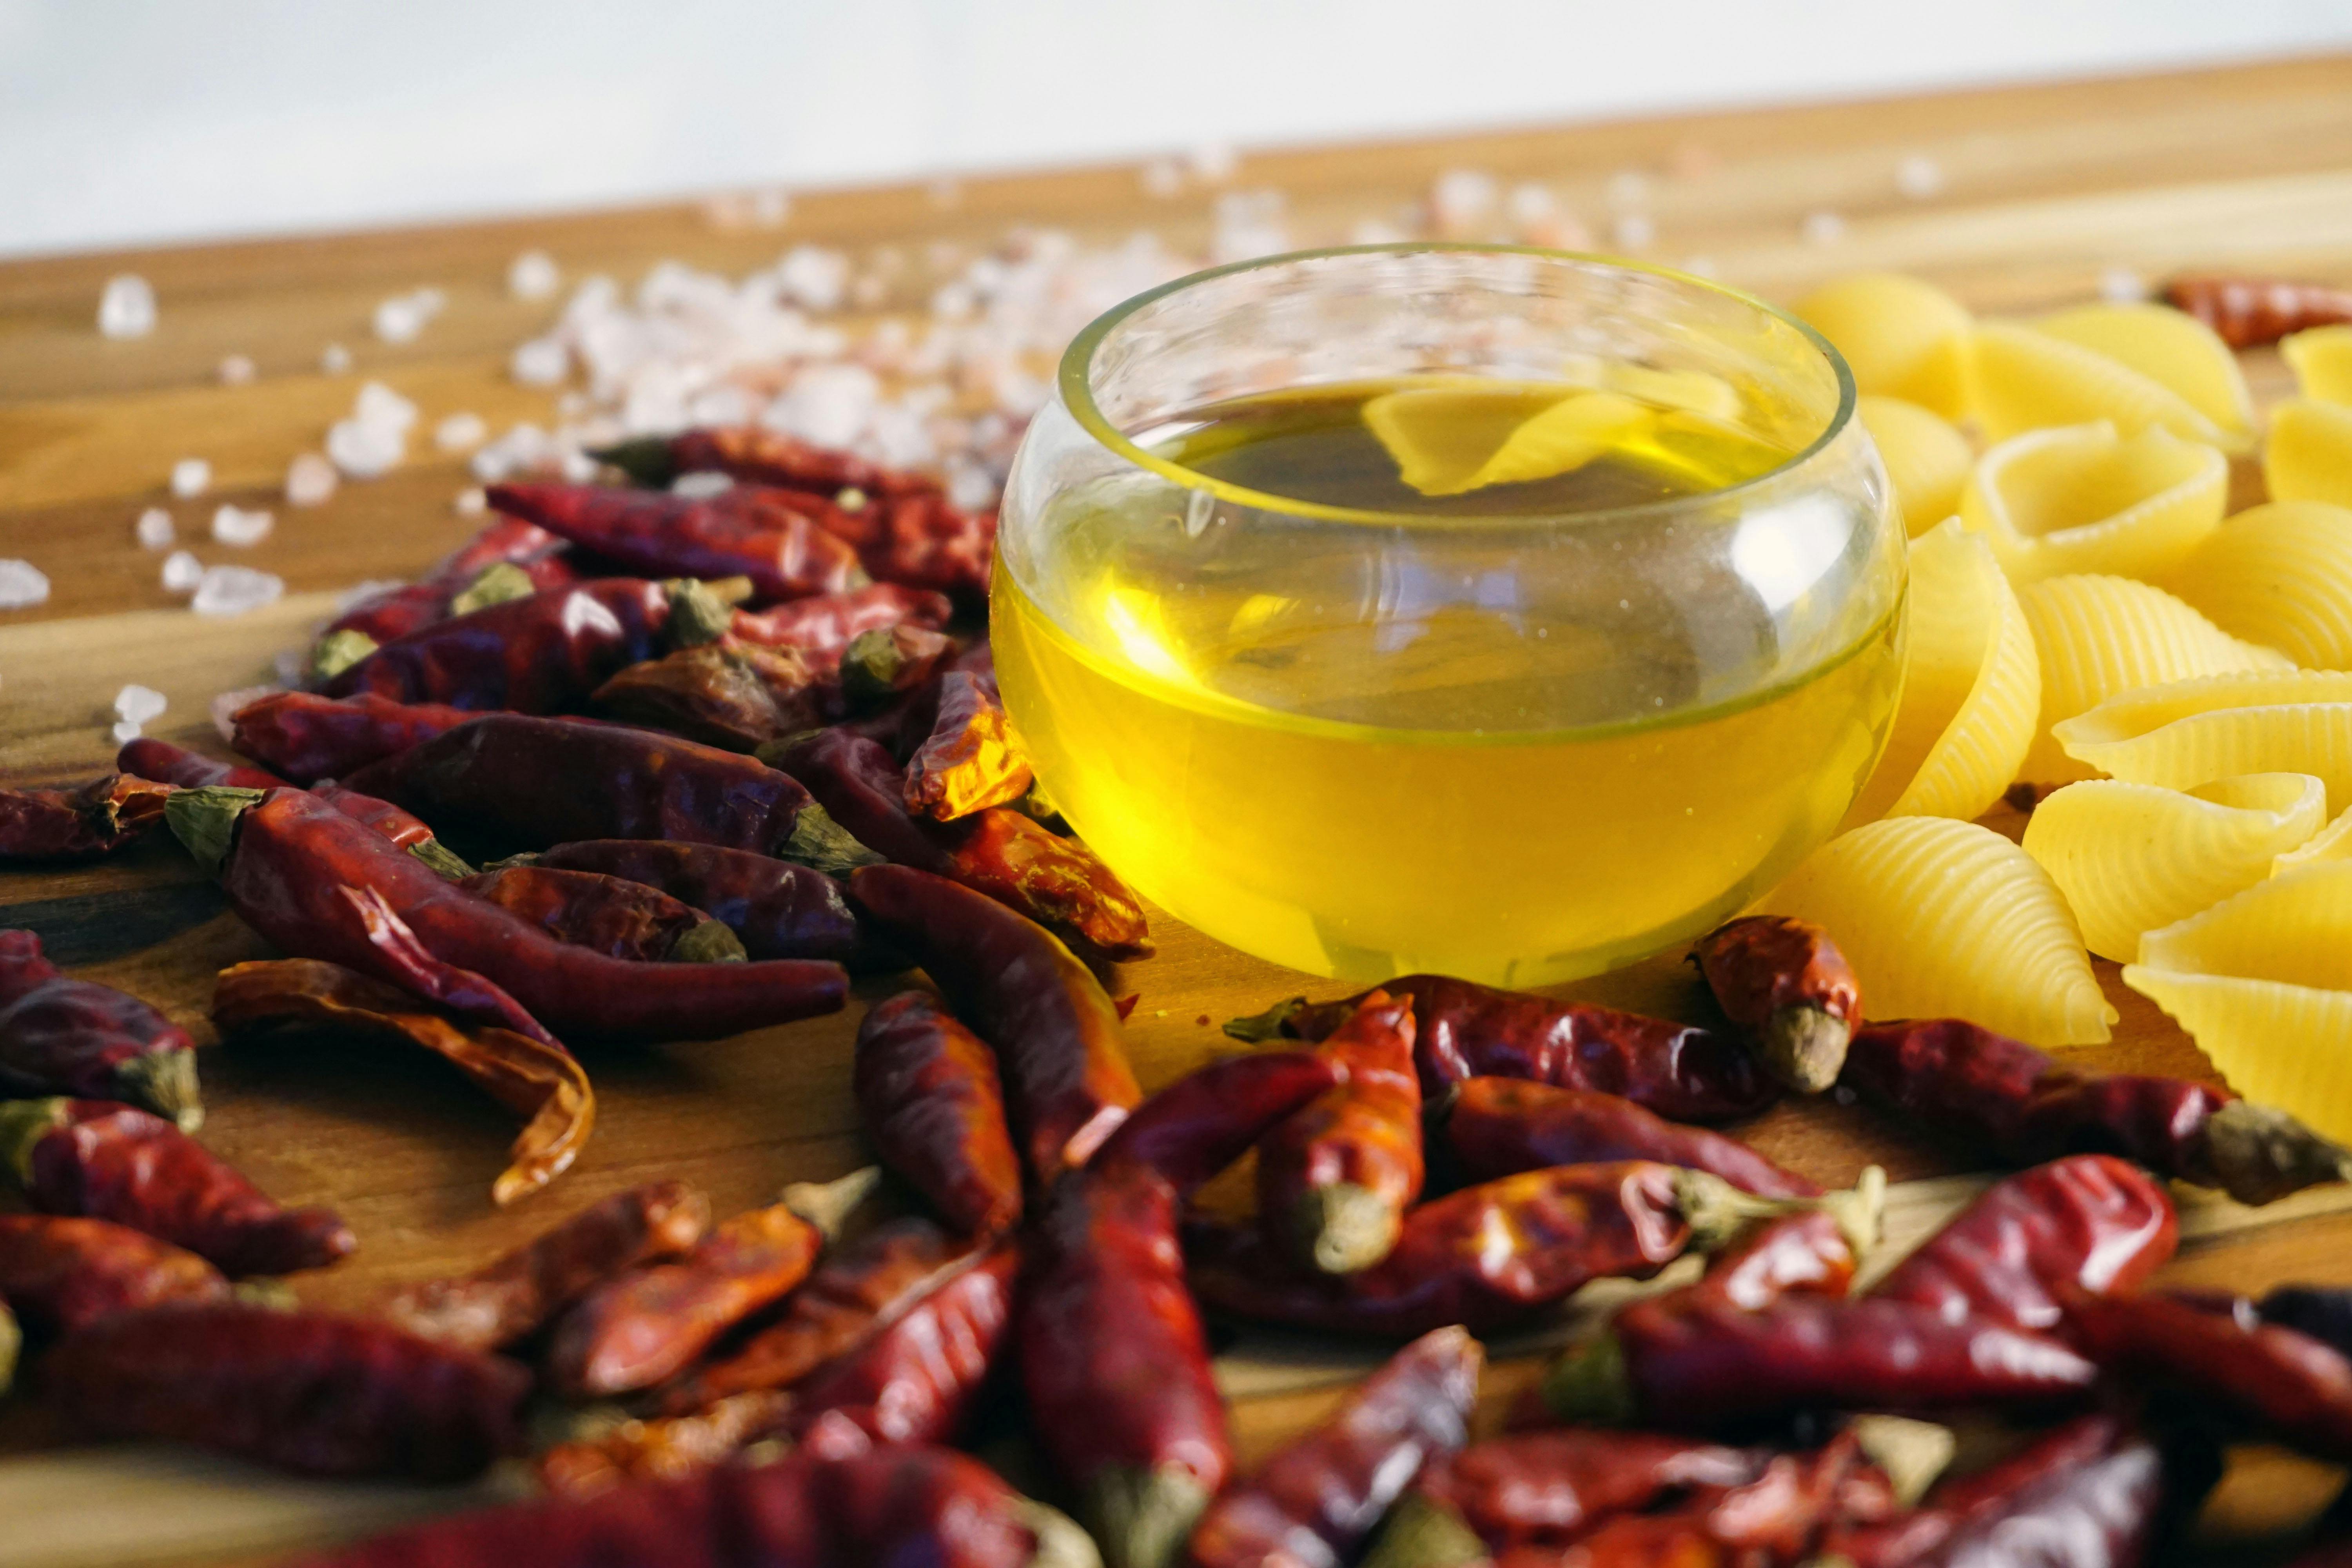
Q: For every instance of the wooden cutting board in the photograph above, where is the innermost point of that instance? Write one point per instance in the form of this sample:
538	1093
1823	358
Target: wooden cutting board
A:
2047	190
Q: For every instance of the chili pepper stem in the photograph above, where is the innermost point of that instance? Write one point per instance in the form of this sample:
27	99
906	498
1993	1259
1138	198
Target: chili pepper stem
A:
1912	1452
1061	1543
1717	1211
338	651
829	1204
645	460
204	820
165	1083
2261	1153
23	1123
1589	1383
12	1340
819	842
1347	1228
1804	1048
494	584
713	942
1424	1533
443	860
1142	1517
696	614
1267	1025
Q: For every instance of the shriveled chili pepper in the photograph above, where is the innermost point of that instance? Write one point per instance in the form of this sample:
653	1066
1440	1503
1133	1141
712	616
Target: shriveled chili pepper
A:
2250	311
535	1078
756	455
59	1272
1806	1254
515	1295
663	1448
642	1327
1058	1040
1785	981
545	654
1498	1126
2294	1387
110	1161
748	531
172	764
933	1107
2006	1099
382	618
735	695
309	1391
60	1035
95	819
321	886
779	910
881	665
971	759
1466	1030
1334	1181
149	758
1057	882
306	737
2323	1314
1317	1500
824	625
606	914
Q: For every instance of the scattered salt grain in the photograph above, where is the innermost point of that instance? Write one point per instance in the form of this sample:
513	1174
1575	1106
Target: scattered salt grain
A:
1212	163
541	362
1627	189
471	503
311	480
136	704
1822	229
1162	178
236	369
381	406
970	487
1920	178
1373	231
1462	199
461	432
234	525
154	529
1633	231
770	208
364	451
813	277
233	590
697	486
124	733
22	585
181	572
334	359
400	319
1699	266
225	705
1531	202
191	477
127	308
533	275
827	404
2122	286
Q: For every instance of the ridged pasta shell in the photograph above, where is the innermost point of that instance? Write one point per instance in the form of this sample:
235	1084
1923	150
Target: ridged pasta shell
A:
2192	731
2171	347
2322	361
2309	454
1563	438
2026	379
1942	918
2333	842
2131	857
1441	433
2280	576
1926	457
2083	499
2296	929
1903	338
2288	1046
2099	636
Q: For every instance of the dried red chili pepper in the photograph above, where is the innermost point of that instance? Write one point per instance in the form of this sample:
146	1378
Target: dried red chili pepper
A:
884	664
1463	1030
971	759
537	1080
2293	1386
735	695
1499	1126
149	758
108	1161
2008	1098
515	1295
1314	1502
756	455
645	1326
306	737
396	612
59	1272
1004	854
1058	1040
1785	981
315	1394
933	1107
545	654
778	909
1335	1180
824	625
606	914
321	886
2324	1315
2250	311
2093	1221
60	1036
662	1449
96	818
748	531
1806	1254
168	763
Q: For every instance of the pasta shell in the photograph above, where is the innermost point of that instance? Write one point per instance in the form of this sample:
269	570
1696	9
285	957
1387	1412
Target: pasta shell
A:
2131	857
1564	437
2082	498
2024	380
2171	347
1971	687
1945	917
2333	842
2099	636
1440	434
1694	391
2309	455
2288	1046
2280	576
2322	361
1926	455
1902	337
2192	731
2296	929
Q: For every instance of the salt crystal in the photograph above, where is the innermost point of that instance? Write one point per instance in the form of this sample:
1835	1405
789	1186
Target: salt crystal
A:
126	309
124	733
1531	202
1212	163
1628	188
575	466
541	362
22	585
236	369
868	292
1372	231
2122	286
1633	231
311	480
234	525
136	704
225	705
1699	266
533	275
953	301
233	590
471	503
828	405
970	488
363	451
399	319
703	484
191	477
181	572
813	277
430	301
1162	178
154	528
1919	178
383	408
461	432
334	359
1461	198
1822	229
770	208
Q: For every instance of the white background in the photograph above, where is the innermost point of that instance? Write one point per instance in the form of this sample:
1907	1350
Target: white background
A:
126	121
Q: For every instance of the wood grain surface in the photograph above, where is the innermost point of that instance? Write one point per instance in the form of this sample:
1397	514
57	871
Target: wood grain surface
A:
2049	188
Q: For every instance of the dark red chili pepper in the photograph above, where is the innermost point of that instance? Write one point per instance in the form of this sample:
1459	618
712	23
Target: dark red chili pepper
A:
1335	1180
1463	1030
517	1294
2323	1314
1316	1500
2006	1098
321	886
933	1107
1785	981
1057	882
822	626
662	1449
604	914
149	758
2093	1221
735	695
1806	1254
306	737
971	759
2295	1387
60	1036
1058	1040
545	654
396	612
111	1161
1498	1126
921	539
2250	311
881	666
778	909
168	763
895	1508
95	819
758	455
748	531
319	1395
58	1273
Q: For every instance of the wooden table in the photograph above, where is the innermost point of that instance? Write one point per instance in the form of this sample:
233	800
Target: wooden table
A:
2048	189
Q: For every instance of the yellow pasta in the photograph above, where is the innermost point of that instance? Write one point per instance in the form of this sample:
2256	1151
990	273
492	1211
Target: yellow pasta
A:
1945	917
2333	842
1971	687
2024	380
1903	338
2193	731
2322	361
1927	458
2171	347
2280	576
2309	454
2288	1046
2082	498
1695	391
2131	857
2296	929
2099	636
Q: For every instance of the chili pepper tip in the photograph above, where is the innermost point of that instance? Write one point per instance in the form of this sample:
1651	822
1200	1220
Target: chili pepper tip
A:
338	651
2262	1153
165	1083
645	460
442	858
696	614
1804	1048
1144	1517
1267	1025
1717	1211
1422	1533
713	942
1060	1542
1589	1383
817	841
1912	1452
829	1204
204	820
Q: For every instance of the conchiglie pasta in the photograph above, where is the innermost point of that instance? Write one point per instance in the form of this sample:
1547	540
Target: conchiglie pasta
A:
2131	857
2296	929
1441	433
1945	917
2280	576
1927	458
2082	498
2171	347
2288	1046
2322	361
2024	380
1902	337
2309	454
2099	636
2333	842
2193	731
1971	687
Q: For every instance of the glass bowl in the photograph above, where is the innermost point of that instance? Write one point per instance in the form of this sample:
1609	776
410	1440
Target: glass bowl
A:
1517	749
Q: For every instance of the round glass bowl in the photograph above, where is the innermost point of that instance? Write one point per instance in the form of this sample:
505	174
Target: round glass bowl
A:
1513	748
